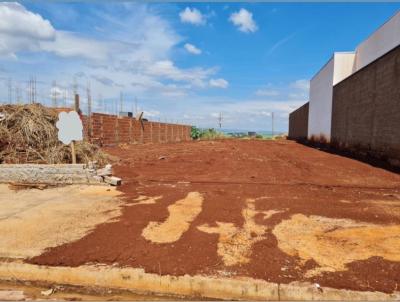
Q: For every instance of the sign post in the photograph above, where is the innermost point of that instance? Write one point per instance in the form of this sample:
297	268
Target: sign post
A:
73	152
70	129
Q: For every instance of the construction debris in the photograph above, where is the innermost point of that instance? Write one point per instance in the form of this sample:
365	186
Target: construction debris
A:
112	180
106	171
47	292
28	135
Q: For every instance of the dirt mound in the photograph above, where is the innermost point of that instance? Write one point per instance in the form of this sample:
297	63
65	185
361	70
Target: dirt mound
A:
28	134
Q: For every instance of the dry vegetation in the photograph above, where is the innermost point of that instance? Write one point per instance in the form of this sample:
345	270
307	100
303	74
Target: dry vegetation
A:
28	135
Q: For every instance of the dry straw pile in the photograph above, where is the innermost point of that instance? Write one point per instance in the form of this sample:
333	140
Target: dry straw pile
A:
28	134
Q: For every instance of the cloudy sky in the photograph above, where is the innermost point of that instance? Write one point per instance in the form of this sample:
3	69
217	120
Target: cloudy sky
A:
183	62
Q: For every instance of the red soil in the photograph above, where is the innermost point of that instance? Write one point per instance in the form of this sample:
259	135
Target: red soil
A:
296	179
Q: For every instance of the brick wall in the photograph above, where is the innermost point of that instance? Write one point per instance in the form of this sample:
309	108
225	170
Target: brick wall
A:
298	123
111	130
366	109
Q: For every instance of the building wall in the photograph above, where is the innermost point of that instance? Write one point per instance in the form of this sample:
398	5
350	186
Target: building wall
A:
321	102
298	123
341	66
366	108
380	42
104	129
338	67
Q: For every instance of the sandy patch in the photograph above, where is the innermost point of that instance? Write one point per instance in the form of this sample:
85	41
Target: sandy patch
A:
388	207
33	220
146	200
235	243
333	243
181	214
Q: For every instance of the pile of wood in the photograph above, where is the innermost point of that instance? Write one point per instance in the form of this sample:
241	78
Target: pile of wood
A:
28	134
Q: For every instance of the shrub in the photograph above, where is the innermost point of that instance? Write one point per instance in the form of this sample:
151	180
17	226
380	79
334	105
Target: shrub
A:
211	133
195	132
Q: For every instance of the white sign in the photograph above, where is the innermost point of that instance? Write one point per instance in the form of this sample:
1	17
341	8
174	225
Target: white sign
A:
70	127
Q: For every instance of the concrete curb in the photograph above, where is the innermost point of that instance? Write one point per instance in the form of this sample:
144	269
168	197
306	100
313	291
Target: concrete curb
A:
136	280
47	174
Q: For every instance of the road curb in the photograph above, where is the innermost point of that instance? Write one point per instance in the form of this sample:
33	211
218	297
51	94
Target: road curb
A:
137	281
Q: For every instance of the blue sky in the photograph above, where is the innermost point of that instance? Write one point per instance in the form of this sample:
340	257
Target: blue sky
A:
183	62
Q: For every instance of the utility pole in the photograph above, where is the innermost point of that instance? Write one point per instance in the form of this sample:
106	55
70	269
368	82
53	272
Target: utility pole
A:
272	124
29	92
100	103
54	94
75	86
34	93
89	99
77	105
17	94
220	120
65	97
9	91
121	102
32	90
89	108
136	111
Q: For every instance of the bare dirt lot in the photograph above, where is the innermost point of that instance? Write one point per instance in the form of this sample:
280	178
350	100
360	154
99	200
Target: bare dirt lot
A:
272	210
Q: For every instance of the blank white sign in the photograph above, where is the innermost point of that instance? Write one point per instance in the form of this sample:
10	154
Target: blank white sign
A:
70	127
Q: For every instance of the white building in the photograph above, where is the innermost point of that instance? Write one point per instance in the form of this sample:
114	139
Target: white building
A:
339	67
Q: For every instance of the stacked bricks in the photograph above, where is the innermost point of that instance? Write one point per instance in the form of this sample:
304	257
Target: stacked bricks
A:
112	130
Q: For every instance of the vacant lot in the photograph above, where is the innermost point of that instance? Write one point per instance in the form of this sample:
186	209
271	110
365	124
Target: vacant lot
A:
272	210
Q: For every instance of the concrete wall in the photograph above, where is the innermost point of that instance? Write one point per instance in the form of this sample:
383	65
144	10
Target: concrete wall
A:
380	42
338	67
298	123
48	174
105	129
366	109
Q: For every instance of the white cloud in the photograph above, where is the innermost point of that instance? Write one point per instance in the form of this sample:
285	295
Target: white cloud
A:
219	83
167	69
303	85
70	45
17	20
192	49
130	51
22	30
267	92
243	19
193	16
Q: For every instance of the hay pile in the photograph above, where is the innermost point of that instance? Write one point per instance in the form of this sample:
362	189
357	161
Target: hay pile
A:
28	135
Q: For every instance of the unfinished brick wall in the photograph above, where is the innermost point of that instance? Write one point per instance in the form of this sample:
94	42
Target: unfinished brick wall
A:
298	123
366	109
111	130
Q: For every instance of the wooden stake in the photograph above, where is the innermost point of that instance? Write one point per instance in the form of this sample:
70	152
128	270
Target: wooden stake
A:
73	152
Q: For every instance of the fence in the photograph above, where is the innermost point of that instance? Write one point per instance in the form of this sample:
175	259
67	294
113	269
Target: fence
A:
105	129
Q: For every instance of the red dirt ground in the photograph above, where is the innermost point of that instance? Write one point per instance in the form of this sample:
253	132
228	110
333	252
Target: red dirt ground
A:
296	179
